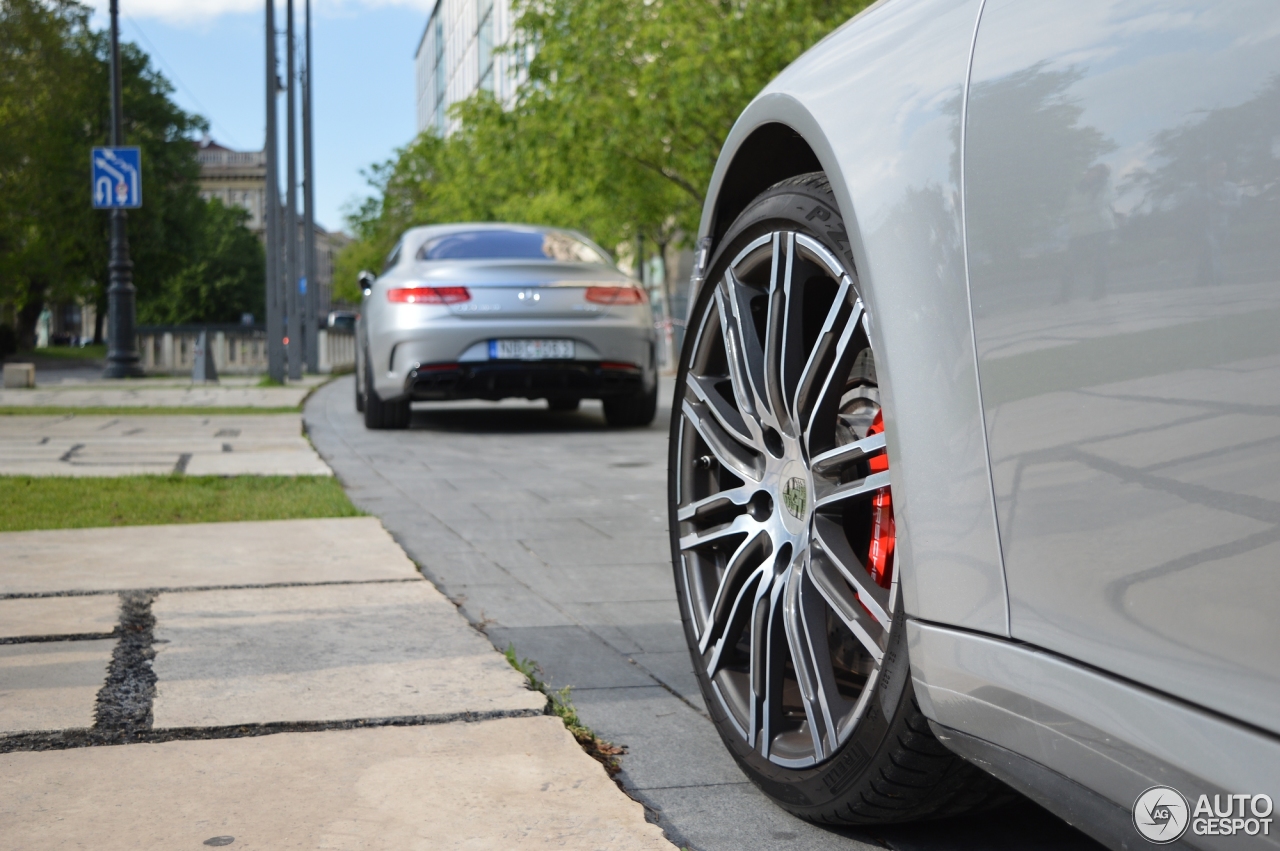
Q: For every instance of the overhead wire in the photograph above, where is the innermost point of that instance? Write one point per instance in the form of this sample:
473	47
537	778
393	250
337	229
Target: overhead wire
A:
181	85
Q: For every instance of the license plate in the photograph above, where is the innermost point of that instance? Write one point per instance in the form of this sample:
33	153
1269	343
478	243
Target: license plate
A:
530	349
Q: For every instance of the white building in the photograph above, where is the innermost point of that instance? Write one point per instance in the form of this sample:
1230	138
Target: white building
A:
457	57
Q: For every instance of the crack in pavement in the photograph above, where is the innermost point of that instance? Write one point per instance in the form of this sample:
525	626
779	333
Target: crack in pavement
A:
124	702
56	740
74	636
37	595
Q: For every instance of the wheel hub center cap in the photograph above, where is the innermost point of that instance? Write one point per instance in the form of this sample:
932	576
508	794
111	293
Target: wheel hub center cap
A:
795	496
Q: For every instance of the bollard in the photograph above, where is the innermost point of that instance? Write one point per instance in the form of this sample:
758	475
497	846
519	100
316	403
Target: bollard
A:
19	375
203	370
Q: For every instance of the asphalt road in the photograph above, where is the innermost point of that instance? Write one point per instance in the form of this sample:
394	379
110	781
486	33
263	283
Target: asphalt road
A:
549	529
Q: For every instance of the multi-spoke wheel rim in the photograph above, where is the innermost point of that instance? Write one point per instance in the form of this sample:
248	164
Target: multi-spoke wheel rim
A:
782	500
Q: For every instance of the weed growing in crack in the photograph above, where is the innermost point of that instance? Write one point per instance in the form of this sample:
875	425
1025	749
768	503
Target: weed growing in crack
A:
560	705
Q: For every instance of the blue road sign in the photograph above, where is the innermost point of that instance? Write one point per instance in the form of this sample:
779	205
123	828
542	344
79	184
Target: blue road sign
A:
117	178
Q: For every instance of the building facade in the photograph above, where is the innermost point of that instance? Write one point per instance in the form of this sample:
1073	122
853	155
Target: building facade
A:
236	178
459	54
239	179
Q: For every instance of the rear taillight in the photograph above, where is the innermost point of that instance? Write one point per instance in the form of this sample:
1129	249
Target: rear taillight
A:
615	295
428	295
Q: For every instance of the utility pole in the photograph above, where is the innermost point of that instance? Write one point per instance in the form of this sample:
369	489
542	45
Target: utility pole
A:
122	338
312	314
275	329
293	304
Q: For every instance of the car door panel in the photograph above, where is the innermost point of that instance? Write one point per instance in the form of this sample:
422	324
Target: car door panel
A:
1122	203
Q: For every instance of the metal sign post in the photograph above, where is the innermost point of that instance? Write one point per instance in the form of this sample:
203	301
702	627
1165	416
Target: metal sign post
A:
122	168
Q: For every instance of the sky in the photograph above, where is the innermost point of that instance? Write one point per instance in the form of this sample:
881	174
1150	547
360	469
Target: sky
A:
212	51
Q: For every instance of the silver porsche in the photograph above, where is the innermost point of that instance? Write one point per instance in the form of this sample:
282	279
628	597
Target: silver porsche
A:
491	311
975	447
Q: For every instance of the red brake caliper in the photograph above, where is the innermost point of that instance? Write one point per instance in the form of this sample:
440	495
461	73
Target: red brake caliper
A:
880	553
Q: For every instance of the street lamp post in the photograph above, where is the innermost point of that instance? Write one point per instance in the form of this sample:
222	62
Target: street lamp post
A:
271	213
311	317
293	304
122	342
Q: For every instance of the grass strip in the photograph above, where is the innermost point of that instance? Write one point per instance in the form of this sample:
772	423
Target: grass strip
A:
63	353
54	502
560	705
125	410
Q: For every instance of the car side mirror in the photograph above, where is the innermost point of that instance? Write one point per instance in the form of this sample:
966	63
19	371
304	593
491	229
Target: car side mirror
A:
366	279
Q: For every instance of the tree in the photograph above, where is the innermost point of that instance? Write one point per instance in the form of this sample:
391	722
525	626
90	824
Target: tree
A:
54	107
616	130
224	279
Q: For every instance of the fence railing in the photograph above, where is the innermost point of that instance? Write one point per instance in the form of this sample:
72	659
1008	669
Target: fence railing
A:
237	349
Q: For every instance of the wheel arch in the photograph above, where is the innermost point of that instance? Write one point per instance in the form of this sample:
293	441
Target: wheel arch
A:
775	138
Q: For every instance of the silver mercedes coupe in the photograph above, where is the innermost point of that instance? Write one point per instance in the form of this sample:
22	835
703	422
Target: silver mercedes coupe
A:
975	446
491	311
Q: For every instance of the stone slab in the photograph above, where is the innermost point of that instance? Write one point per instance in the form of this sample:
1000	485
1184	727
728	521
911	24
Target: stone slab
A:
39	616
505	784
268	444
324	653
347	549
148	395
51	685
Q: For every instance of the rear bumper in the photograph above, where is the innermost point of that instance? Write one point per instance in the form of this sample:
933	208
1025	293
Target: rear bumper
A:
541	380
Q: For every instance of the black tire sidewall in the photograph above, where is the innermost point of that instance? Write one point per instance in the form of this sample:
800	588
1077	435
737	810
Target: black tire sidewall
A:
804	206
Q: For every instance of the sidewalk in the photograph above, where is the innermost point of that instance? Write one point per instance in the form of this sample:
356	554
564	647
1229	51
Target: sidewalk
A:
212	445
286	683
168	392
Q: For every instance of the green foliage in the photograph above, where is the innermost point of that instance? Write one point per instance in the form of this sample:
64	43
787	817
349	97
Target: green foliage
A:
615	132
54	107
224	278
560	705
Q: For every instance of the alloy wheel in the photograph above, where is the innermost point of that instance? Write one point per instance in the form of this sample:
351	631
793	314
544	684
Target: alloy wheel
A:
784	512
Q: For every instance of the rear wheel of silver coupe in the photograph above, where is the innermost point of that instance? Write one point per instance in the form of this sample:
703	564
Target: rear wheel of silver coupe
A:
632	411
783	532
379	414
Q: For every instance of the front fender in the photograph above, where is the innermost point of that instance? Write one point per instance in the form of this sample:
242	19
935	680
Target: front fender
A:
879	107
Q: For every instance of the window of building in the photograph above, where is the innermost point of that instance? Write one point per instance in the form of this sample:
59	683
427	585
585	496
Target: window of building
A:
484	43
438	72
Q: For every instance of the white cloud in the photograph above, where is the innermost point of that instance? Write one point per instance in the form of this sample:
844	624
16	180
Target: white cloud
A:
200	11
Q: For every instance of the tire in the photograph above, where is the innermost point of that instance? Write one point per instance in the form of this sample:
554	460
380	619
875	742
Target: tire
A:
563	405
359	396
791	608
379	414
632	411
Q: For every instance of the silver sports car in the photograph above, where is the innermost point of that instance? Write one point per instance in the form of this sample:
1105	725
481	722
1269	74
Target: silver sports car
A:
975	448
490	311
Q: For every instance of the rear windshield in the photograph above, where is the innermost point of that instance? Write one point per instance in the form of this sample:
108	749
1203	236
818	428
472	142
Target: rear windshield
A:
509	245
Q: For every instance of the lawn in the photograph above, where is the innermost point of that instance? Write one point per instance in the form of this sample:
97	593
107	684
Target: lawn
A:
30	502
71	353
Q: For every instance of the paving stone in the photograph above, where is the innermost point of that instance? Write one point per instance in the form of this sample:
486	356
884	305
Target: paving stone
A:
570	656
599	551
508	606
51	685
669	743
323	653
675	671
348	549
37	616
163	393
270	444
732	816
653	625
505	784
